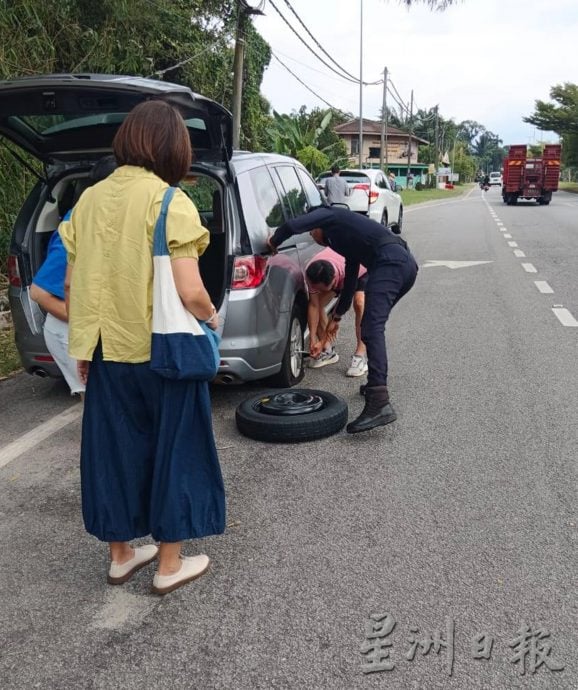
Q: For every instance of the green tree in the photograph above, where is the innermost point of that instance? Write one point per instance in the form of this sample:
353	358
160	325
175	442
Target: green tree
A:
560	117
183	41
313	159
298	132
488	151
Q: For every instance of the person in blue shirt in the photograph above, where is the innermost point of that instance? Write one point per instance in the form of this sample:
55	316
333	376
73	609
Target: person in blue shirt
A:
47	290
391	273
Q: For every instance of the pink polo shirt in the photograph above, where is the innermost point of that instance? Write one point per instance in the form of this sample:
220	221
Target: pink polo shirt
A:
338	263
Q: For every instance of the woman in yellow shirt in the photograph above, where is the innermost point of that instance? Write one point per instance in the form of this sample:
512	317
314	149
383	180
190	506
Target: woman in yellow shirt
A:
149	463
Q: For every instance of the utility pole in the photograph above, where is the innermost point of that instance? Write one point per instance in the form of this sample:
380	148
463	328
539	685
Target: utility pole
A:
361	85
436	146
238	75
246	7
409	140
453	159
383	149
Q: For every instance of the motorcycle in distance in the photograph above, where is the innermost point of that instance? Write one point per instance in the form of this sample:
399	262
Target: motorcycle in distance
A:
485	184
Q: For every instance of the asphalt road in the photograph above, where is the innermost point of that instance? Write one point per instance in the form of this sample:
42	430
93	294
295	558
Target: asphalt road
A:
455	527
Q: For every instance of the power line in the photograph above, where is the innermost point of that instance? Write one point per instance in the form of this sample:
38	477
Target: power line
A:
162	72
309	47
323	49
401	104
304	64
346	78
305	85
397	92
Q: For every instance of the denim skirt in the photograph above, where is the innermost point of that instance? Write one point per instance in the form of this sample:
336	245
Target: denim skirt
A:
148	462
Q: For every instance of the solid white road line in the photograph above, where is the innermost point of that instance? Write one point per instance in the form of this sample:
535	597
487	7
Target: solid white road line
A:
512	244
508	236
565	317
519	253
37	435
529	268
543	287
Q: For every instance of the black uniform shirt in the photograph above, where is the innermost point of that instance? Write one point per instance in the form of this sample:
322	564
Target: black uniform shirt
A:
358	238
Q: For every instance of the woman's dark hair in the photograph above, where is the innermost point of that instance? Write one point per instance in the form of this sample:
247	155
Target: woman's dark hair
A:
320	271
154	136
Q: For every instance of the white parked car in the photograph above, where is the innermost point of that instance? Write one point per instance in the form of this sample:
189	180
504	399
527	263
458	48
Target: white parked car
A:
496	178
370	193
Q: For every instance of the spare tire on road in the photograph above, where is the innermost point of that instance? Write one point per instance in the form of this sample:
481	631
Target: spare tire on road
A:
291	415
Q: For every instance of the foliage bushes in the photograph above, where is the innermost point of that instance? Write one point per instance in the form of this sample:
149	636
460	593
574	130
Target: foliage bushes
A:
184	41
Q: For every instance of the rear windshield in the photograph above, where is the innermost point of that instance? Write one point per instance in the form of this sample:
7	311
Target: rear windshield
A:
355	178
53	124
351	176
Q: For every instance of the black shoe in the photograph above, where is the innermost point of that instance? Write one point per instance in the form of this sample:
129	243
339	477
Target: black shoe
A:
377	411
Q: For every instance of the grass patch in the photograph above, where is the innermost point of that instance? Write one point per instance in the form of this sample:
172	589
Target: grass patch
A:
9	358
569	187
412	196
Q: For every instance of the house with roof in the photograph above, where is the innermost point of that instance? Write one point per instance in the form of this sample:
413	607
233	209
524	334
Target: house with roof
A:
399	145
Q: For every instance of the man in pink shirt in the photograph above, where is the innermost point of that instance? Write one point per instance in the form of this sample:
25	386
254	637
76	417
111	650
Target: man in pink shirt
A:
325	275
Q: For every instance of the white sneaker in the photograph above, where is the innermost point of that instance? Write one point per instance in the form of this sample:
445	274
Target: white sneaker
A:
191	568
358	366
325	358
119	573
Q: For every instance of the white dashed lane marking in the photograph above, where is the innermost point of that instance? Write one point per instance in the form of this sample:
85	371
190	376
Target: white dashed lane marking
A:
543	287
562	314
565	317
42	431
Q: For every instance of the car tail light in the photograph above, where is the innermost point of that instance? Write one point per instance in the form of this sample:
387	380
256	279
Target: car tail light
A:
373	196
249	271
43	358
364	187
13	272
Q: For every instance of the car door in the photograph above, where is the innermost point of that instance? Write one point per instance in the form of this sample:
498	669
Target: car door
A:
295	204
313	199
388	200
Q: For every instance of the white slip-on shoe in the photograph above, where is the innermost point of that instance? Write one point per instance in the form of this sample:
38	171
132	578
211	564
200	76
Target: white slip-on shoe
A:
119	573
192	567
358	366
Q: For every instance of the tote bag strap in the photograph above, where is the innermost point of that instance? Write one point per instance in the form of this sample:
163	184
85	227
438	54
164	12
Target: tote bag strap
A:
160	247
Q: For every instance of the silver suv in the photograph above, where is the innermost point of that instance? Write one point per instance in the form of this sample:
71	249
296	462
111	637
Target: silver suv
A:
69	121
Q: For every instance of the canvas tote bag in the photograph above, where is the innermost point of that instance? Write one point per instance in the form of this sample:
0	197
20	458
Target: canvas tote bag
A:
181	347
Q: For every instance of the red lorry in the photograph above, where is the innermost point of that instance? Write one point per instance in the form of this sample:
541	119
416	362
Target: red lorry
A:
531	178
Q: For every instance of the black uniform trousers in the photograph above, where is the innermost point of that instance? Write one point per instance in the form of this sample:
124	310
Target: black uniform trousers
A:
389	278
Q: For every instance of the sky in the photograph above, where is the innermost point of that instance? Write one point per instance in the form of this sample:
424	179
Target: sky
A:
483	60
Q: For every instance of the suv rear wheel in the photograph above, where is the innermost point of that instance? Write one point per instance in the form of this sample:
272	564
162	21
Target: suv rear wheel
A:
396	227
292	365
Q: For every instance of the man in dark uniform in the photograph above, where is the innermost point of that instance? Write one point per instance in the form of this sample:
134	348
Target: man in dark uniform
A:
391	272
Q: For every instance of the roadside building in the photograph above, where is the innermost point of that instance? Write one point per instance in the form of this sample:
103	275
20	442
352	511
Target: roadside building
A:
399	145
